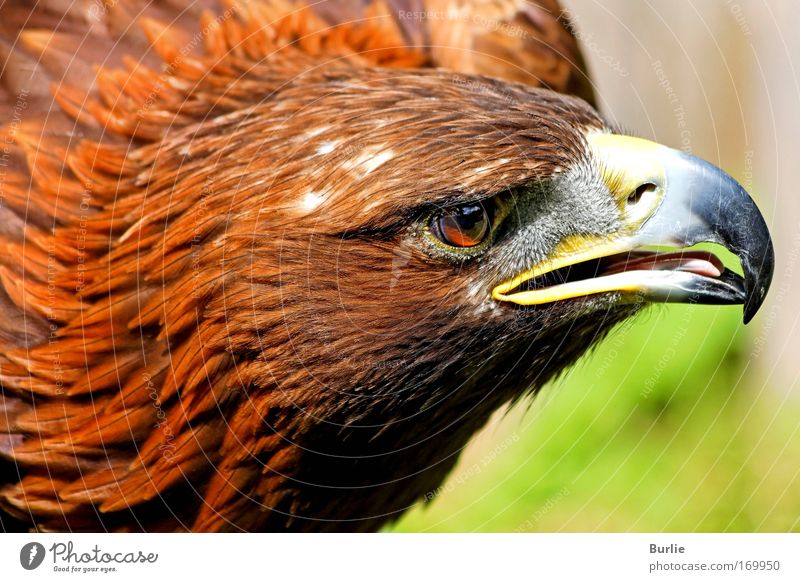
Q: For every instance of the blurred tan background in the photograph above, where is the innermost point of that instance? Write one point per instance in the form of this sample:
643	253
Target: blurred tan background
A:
684	420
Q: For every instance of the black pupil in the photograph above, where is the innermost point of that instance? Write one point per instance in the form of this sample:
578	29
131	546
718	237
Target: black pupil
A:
465	226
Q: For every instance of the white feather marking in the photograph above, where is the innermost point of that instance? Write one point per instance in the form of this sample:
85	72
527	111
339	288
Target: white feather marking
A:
369	160
311	200
378	160
315	131
327	147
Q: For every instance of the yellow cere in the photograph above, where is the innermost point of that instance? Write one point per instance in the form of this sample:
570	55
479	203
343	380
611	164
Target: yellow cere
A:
626	164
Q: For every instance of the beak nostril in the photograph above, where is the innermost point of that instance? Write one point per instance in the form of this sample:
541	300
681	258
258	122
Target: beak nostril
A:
635	196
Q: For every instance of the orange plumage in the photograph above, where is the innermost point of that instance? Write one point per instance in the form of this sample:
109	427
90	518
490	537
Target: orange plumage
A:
209	319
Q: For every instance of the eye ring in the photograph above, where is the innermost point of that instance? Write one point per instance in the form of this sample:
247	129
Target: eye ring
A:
464	226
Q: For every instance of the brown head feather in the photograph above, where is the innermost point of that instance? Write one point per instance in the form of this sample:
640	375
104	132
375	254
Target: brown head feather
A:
189	336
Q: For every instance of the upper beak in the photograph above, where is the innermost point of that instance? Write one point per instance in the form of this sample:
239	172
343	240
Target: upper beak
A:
666	198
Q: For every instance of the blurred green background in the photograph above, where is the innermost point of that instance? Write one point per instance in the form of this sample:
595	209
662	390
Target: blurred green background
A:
663	428
682	420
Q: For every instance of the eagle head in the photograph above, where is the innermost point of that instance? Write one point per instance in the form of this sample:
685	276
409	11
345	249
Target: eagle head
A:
281	284
415	250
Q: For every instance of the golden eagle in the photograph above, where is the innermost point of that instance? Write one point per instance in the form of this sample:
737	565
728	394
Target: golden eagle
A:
269	265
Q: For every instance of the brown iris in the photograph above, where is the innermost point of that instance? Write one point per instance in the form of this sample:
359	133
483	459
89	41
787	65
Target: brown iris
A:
463	226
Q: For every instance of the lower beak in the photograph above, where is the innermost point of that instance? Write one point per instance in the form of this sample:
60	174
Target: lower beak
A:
667	198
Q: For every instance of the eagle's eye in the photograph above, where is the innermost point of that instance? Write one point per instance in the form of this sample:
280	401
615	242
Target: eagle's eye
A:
462	226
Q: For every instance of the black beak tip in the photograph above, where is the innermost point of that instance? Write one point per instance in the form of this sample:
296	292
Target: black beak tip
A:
758	276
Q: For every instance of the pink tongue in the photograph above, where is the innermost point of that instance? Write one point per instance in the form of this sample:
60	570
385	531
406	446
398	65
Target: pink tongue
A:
698	262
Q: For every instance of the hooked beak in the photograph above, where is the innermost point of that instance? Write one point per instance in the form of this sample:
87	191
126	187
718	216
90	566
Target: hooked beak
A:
666	198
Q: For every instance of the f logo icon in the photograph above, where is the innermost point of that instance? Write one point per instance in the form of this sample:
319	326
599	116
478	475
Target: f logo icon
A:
31	555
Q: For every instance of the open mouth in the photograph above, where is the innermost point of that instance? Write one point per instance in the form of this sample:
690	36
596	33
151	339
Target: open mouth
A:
699	262
681	276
